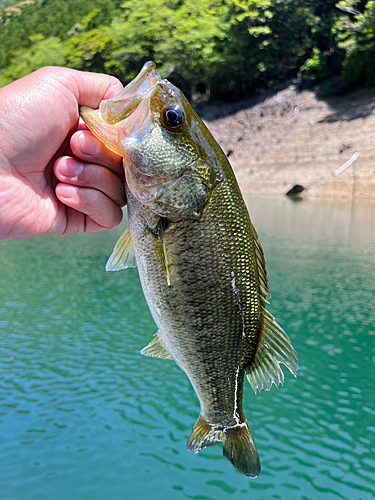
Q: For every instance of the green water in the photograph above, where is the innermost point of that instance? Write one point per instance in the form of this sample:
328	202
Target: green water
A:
84	416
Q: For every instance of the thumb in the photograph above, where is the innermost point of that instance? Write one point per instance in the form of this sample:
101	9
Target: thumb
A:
91	88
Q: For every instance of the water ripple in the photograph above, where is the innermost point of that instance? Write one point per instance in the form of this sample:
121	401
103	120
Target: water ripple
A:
83	415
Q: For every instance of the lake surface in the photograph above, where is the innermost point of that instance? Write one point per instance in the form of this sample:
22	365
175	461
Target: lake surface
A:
84	416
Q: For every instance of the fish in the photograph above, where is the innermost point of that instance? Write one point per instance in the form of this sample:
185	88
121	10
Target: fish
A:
200	263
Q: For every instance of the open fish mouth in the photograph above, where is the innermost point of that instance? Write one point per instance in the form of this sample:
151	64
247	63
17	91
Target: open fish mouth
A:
128	114
121	106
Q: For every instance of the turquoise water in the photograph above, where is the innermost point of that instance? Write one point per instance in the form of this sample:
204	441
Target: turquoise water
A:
84	416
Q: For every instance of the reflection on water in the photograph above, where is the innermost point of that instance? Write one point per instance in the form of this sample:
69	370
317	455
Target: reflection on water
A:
83	415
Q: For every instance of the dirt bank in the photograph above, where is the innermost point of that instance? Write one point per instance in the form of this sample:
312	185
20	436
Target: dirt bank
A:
293	137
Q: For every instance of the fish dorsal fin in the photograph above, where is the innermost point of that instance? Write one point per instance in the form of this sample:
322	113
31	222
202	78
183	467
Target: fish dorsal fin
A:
123	254
156	348
261	263
274	348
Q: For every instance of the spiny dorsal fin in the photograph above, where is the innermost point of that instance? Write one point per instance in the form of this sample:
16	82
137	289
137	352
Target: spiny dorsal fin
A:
274	348
156	348
263	280
123	254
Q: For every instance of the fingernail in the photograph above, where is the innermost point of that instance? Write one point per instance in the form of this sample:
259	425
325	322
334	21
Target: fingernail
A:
67	191
88	145
68	167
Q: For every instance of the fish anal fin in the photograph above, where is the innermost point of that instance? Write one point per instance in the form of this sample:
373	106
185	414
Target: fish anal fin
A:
203	435
156	348
239	448
274	348
123	254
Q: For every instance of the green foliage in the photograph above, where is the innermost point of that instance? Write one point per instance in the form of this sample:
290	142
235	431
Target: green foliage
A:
89	50
221	47
330	87
316	68
355	32
44	52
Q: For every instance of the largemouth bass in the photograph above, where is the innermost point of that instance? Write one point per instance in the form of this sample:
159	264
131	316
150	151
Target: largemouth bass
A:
200	263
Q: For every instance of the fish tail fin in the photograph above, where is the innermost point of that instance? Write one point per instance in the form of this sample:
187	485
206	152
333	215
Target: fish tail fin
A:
239	448
238	444
203	434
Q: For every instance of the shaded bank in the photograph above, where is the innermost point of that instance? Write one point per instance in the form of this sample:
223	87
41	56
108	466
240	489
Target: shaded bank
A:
291	137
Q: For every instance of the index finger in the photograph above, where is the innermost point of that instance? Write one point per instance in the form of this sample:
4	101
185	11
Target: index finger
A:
87	148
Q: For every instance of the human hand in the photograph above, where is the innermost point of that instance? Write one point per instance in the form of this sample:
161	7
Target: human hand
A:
40	146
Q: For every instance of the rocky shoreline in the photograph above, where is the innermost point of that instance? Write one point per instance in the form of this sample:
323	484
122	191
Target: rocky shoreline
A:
291	137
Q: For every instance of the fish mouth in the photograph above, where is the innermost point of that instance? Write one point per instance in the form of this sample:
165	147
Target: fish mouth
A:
124	104
126	115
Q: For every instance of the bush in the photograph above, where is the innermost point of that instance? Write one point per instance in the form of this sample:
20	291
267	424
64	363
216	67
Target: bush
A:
358	69
316	68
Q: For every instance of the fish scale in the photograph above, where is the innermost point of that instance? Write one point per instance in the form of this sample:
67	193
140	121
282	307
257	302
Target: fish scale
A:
197	309
200	263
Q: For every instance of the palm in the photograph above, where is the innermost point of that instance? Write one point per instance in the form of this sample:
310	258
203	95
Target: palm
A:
41	114
32	205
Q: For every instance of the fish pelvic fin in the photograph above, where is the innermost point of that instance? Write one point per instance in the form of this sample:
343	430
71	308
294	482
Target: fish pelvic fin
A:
239	448
156	348
274	348
123	254
203	435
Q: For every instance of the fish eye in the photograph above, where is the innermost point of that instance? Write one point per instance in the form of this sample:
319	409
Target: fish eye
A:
173	117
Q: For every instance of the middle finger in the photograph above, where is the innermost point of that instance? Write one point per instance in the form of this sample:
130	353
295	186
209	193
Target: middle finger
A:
88	175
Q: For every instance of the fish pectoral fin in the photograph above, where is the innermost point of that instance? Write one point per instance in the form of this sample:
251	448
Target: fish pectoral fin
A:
160	248
165	254
123	254
203	435
239	448
274	348
156	348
